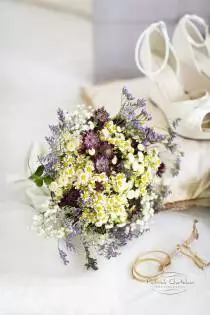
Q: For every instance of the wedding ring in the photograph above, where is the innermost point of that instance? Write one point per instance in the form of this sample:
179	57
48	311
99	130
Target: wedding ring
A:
164	262
144	278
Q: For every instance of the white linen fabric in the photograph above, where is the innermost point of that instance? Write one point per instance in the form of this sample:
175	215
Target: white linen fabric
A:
34	281
193	180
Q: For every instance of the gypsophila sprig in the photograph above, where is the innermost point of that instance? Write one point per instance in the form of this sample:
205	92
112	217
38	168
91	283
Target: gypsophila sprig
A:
104	177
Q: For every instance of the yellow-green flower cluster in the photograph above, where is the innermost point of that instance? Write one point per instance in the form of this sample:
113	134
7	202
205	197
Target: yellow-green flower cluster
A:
111	205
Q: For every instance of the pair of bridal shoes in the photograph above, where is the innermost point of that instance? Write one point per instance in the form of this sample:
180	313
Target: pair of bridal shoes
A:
179	71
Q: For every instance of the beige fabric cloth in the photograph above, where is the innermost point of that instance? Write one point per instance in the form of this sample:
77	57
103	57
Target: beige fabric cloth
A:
193	182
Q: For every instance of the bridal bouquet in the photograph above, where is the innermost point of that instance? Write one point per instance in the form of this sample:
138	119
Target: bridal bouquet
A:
104	178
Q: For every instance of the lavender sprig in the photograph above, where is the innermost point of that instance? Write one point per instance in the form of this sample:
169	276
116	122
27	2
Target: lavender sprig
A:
63	256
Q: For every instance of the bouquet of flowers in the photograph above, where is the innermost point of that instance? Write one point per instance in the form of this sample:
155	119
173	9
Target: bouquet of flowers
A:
103	175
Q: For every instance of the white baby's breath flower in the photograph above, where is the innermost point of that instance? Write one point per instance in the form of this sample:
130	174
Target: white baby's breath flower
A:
75	113
133	226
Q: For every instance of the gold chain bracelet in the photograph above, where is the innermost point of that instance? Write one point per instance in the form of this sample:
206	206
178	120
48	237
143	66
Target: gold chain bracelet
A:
183	248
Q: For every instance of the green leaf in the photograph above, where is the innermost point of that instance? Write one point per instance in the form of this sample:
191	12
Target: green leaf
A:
38	181
47	180
39	171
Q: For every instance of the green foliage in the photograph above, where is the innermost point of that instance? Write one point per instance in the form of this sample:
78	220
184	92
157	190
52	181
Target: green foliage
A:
39	171
39	178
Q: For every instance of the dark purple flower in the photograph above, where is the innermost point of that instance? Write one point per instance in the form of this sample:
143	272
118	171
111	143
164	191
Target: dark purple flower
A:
99	186
82	149
90	139
106	149
70	198
101	115
161	169
102	164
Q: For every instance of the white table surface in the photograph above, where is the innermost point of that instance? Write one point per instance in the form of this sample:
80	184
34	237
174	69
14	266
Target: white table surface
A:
44	58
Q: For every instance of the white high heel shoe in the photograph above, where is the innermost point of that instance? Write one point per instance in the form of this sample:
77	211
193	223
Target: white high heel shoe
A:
156	58
192	43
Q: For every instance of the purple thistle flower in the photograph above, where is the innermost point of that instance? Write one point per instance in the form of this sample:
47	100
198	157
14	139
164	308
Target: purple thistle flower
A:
99	186
106	149
70	198
102	164
101	115
90	139
161	169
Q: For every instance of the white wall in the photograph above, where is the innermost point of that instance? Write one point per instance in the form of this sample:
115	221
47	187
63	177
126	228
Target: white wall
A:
81	6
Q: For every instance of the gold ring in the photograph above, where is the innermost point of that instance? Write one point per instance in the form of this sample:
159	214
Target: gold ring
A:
143	278
164	263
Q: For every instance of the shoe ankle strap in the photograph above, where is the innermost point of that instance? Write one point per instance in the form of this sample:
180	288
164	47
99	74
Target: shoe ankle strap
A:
145	37
195	18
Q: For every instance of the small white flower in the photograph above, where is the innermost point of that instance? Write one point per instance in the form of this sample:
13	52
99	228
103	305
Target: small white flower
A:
114	160
138	167
108	226
140	156
63	181
91	125
140	147
135	166
127	230
133	226
99	223
131	157
131	194
91	152
121	224
137	193
105	132
53	186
